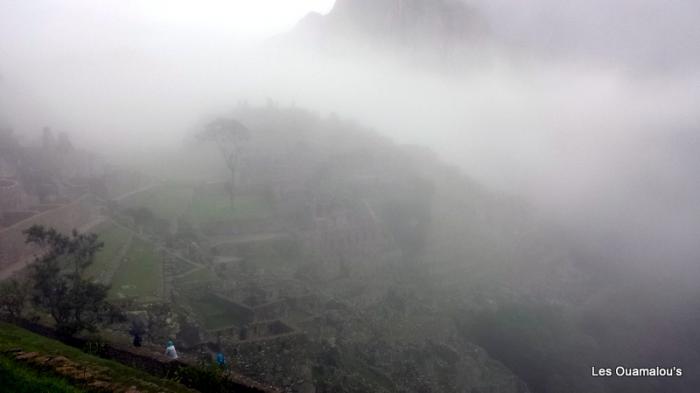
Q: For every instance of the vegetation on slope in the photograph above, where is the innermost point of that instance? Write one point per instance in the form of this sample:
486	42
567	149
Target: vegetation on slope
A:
13	337
114	238
18	378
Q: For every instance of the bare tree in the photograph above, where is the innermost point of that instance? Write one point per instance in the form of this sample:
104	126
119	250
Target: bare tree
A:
230	136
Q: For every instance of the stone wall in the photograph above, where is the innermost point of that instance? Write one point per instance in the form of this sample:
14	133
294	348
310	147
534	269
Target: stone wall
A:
244	313
268	329
283	308
282	361
345	241
65	218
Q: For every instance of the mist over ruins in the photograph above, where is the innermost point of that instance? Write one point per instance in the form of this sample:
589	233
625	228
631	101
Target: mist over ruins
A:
384	196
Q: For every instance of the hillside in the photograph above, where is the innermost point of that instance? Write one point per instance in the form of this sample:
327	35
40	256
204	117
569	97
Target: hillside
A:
345	262
34	363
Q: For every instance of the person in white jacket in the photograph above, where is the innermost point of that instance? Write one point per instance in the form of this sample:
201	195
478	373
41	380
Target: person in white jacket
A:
170	350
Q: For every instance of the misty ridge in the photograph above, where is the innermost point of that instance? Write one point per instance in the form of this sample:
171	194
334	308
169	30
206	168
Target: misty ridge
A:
390	196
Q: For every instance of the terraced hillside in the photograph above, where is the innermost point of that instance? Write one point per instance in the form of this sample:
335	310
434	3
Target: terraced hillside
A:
130	264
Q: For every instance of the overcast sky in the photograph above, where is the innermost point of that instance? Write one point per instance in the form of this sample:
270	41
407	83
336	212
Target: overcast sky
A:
596	90
83	65
239	17
144	66
55	30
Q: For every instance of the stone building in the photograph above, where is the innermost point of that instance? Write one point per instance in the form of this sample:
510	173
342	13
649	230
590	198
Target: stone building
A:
346	239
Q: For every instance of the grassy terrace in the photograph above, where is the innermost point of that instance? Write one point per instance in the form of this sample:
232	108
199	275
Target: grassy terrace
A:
209	207
18	378
171	201
168	201
13	373
198	275
114	238
216	313
140	274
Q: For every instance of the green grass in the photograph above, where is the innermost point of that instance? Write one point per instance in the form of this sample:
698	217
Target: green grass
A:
168	201
216	313
140	274
14	337
114	238
214	316
18	378
209	207
182	266
172	201
198	275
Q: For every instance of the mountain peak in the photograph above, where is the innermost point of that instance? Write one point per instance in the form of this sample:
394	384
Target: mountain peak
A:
436	26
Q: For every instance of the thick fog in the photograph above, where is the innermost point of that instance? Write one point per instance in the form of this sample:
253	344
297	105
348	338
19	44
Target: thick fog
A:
587	108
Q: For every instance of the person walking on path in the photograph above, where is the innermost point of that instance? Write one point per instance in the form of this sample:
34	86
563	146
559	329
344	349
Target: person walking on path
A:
136	330
170	350
137	340
220	359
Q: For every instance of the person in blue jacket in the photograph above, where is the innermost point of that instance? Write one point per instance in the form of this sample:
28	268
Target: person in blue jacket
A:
220	359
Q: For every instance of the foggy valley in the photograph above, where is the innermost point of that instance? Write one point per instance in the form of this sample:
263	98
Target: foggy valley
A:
350	196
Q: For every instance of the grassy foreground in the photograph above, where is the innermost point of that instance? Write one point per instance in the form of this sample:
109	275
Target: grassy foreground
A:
13	337
18	378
